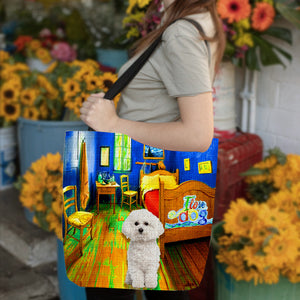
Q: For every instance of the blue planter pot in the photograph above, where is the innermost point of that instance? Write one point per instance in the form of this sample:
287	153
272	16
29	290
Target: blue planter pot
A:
37	138
112	57
67	289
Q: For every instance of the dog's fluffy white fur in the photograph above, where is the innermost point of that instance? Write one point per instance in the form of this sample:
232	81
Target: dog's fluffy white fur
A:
143	255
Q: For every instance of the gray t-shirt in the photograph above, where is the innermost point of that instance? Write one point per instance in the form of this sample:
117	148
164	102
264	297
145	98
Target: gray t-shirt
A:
180	66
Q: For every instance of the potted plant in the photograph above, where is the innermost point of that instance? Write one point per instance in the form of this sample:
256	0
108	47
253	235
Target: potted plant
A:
257	245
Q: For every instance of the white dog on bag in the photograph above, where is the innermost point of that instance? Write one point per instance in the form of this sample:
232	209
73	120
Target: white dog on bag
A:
143	255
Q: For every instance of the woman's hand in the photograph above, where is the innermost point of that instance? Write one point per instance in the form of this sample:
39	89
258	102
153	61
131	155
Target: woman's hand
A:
99	114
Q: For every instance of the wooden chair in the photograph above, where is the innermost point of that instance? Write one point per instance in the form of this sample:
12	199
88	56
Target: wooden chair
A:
77	219
127	195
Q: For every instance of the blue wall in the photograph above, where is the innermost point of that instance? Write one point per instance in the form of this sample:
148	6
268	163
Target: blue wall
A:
94	140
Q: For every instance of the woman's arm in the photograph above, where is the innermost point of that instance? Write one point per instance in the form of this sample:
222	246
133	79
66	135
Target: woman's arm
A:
193	132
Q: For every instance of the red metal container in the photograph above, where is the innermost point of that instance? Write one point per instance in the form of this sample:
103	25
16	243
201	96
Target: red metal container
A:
235	156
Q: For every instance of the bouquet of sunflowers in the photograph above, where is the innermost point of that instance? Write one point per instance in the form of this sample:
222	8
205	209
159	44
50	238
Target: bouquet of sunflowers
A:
261	240
26	93
77	80
248	25
41	192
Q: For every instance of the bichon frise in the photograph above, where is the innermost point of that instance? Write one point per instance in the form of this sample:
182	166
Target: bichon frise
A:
142	228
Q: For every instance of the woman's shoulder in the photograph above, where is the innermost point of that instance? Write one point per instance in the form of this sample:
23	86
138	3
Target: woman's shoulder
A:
183	28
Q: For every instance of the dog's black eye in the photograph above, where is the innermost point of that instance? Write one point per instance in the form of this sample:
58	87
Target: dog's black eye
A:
136	223
146	223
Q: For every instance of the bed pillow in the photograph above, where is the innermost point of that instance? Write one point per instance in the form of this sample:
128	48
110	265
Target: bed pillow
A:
169	181
150	182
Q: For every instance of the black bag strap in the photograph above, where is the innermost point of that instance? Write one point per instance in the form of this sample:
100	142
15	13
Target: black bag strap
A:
130	73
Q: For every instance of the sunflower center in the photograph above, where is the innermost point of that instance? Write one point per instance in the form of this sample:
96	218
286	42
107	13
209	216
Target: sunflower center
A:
9	94
234	6
245	219
72	87
10	109
108	83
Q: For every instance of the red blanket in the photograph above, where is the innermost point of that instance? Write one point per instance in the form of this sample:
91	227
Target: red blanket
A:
152	201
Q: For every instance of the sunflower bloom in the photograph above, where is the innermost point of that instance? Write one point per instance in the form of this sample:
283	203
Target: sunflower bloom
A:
107	80
10	111
240	217
92	82
28	96
263	16
4	56
34	45
44	55
234	10
8	92
281	250
31	113
71	87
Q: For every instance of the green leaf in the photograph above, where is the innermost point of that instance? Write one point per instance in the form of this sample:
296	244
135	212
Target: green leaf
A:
280	33
246	241
252	59
47	199
267	55
273	230
41	217
267	239
298	213
284	53
288	184
236	246
280	156
288	10
253	172
260	252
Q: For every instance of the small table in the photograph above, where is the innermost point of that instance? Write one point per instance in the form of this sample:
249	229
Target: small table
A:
105	189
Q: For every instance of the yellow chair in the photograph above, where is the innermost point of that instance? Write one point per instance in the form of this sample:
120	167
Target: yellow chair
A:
127	195
77	219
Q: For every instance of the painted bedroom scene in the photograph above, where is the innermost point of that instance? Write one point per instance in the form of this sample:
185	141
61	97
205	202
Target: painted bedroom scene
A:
108	175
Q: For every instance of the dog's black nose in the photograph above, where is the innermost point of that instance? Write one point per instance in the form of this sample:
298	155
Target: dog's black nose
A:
141	230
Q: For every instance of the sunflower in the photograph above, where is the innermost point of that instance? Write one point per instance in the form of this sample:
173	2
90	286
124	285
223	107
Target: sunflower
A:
10	111
263	16
281	249
28	96
4	56
92	82
54	162
44	55
78	103
34	45
92	63
71	87
240	217
31	113
107	80
84	72
8	92
234	10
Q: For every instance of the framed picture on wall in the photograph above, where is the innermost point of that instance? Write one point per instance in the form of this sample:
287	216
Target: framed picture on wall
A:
153	153
104	156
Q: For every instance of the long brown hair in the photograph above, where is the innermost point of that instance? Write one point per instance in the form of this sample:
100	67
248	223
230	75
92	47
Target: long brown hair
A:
180	9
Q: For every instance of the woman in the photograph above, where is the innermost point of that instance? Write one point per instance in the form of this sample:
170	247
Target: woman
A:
169	102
